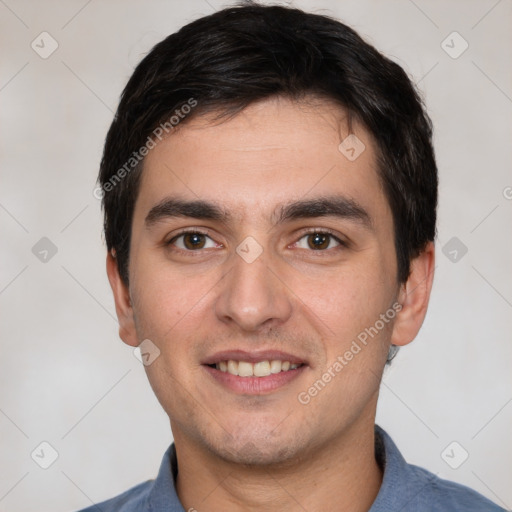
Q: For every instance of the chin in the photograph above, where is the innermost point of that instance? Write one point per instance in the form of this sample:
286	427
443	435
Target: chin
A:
257	449
256	454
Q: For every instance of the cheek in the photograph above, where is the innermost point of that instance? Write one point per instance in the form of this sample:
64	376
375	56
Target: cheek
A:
160	300
349	299
348	312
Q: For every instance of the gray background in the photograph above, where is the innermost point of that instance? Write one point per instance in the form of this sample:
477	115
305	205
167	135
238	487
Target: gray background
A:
67	379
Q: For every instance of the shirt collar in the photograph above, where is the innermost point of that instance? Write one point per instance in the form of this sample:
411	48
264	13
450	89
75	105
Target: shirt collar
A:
163	494
400	484
396	475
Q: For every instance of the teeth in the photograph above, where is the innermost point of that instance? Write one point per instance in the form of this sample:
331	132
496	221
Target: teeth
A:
233	367
275	366
259	369
245	369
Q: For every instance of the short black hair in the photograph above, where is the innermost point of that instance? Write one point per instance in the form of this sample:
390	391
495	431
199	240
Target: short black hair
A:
246	53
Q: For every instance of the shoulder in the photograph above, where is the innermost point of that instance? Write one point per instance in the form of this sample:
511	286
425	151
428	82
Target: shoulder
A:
412	488
153	495
131	500
438	494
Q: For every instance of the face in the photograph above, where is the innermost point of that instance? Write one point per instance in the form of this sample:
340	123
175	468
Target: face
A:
260	255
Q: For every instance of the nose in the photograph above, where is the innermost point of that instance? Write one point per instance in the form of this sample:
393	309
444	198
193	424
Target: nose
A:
253	297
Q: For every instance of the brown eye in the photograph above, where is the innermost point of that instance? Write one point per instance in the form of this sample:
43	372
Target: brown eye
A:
318	241
192	241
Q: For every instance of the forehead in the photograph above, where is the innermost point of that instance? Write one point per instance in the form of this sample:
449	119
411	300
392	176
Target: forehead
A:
272	152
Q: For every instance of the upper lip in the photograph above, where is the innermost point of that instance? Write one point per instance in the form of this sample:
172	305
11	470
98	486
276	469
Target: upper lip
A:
252	357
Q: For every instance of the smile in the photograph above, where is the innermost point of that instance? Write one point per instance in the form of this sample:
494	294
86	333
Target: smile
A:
256	372
259	369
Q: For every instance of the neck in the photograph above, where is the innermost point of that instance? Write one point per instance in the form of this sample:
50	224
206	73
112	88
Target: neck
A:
342	476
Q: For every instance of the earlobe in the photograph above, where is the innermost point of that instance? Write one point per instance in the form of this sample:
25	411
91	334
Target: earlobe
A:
124	310
414	297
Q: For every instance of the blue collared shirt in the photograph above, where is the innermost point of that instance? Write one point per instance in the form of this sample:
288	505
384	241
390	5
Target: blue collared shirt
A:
404	488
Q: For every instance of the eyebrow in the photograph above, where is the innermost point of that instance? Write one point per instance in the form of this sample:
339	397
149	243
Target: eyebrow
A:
174	207
329	206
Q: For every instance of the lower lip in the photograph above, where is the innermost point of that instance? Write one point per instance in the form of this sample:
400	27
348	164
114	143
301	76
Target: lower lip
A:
254	385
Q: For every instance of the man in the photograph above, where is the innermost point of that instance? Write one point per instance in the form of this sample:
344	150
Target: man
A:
270	191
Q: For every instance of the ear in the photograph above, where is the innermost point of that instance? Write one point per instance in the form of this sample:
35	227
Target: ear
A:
414	296
124	310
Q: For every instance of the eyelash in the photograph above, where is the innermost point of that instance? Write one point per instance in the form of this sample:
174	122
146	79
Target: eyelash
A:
324	231
194	231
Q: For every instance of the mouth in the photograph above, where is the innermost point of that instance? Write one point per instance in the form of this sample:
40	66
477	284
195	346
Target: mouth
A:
260	369
254	372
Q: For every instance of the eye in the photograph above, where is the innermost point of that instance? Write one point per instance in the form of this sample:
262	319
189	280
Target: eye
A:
192	241
318	241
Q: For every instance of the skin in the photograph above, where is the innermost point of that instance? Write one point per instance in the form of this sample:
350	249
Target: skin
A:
266	451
